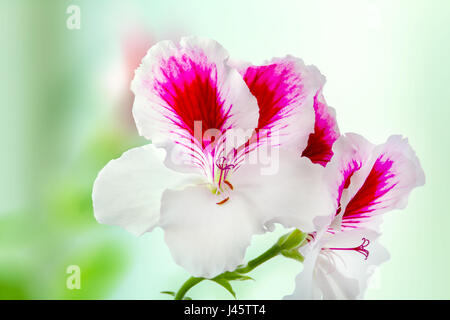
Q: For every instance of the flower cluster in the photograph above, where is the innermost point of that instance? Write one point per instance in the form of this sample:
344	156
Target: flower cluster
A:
237	148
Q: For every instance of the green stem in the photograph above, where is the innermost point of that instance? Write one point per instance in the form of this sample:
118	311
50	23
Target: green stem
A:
252	264
288	241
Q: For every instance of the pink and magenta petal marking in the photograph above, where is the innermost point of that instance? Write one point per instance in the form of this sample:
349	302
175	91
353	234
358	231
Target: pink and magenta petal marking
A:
347	173
279	90
191	93
378	183
320	143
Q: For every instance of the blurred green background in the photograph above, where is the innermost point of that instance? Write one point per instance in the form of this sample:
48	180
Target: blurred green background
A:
65	112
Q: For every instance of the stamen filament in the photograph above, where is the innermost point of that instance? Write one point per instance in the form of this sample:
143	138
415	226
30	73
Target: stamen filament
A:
361	248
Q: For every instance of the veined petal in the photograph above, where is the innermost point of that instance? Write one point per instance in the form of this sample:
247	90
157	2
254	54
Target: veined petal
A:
336	269
206	238
187	95
128	190
384	184
285	89
326	132
351	153
342	260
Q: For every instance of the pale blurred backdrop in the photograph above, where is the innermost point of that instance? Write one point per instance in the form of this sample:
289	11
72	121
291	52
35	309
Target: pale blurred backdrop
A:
65	112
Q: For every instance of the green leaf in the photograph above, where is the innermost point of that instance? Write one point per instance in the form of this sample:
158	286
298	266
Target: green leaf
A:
224	283
293	254
170	293
233	276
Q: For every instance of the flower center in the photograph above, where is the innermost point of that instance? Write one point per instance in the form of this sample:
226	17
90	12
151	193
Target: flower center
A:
222	186
361	248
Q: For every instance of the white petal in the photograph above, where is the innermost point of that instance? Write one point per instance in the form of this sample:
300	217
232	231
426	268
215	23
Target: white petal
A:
306	286
338	274
206	238
351	264
406	167
288	189
127	191
332	284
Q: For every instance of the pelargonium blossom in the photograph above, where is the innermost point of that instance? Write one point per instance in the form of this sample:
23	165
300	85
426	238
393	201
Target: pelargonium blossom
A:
209	198
366	181
284	87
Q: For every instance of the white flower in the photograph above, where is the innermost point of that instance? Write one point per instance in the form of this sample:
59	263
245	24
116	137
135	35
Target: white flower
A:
208	198
366	181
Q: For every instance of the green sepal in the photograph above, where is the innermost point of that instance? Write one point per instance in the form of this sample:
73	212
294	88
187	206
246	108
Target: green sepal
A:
224	283
293	254
291	240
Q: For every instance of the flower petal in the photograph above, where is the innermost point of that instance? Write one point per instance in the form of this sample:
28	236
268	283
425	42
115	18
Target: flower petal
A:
285	90
350	264
127	191
351	153
185	94
285	190
385	182
326	132
206	238
333	270
334	285
306	288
